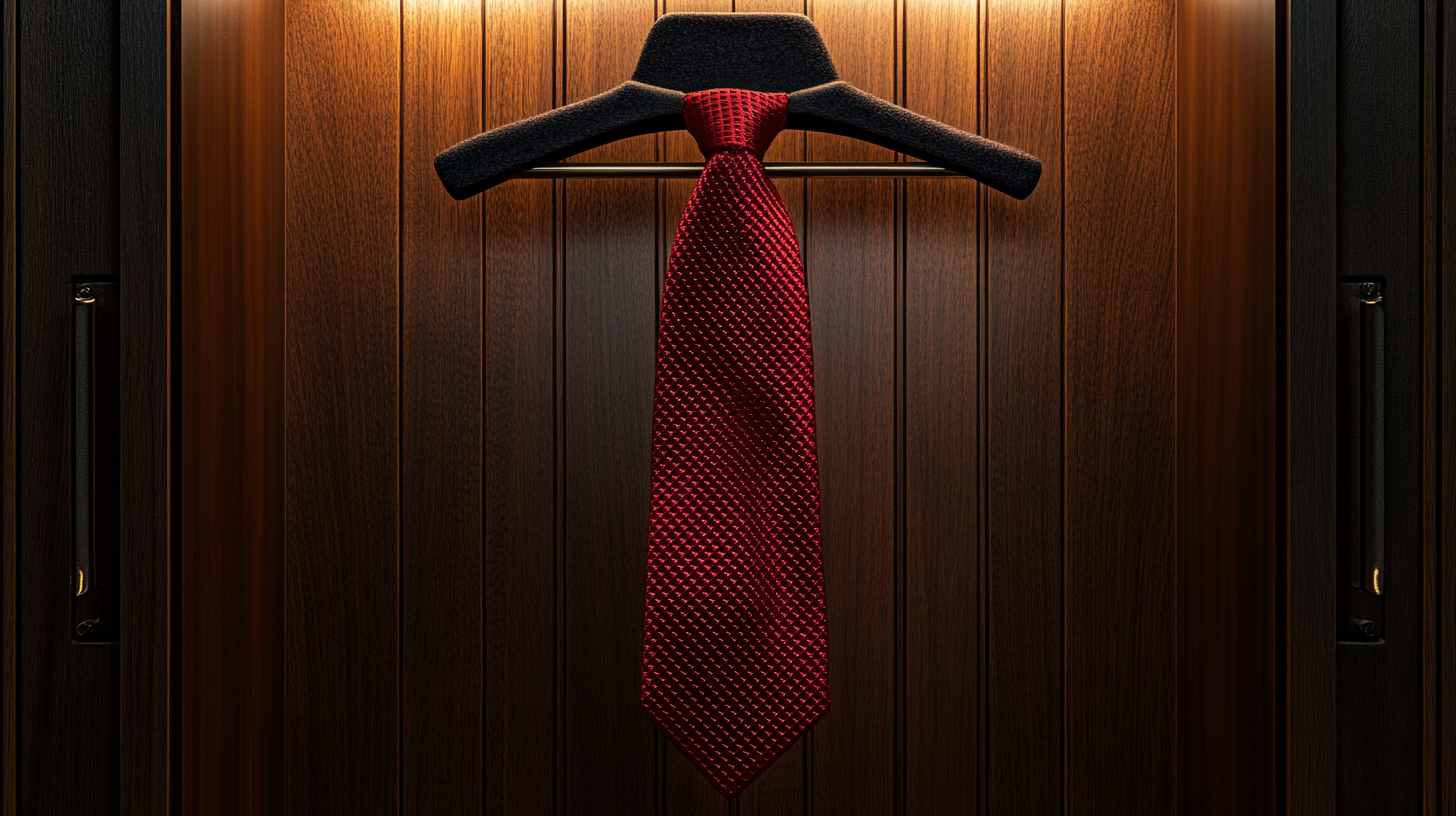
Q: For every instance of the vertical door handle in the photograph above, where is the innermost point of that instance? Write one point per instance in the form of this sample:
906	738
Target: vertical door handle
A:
94	461
81	372
1361	460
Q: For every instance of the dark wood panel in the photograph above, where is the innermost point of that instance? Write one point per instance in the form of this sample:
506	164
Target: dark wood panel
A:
1378	232
851	270
1432	507
1446	250
1023	303
9	396
68	738
850	255
144	136
1445	246
440	444
341	582
1311	423
610	310
231	411
610	336
940	419
521	422
1119	387
1229	440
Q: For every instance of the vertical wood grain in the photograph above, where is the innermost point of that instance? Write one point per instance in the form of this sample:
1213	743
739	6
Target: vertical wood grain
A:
941	440
1230	267
1378	209
341	605
1446	247
611	307
1446	244
1024	550
144	195
67	189
1432	191
9	360
440	542
851	272
520	429
231	422
567	410
1119	387
851	268
1311	565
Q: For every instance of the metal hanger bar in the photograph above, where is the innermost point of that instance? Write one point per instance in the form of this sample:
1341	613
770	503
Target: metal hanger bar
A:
688	170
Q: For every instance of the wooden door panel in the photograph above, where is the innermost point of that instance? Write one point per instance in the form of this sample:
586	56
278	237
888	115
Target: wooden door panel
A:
341	635
940	332
1378	688
610	315
1119	382
852	273
1024	428
66	727
521	360
1229	519
853	270
440	419
230	428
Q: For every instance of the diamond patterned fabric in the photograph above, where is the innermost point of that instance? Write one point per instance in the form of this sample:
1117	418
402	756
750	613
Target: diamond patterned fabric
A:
735	665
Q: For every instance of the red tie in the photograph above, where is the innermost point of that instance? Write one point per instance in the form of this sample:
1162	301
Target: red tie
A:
734	664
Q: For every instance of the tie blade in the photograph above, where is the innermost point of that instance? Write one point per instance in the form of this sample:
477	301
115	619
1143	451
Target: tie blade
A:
725	763
734	646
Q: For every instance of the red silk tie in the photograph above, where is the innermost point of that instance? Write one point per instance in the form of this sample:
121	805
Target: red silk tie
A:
735	665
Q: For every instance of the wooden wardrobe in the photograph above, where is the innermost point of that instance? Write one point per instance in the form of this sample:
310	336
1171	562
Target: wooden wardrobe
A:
381	458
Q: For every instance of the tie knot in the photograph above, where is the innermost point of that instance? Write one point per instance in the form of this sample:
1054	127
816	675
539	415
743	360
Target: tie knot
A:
729	117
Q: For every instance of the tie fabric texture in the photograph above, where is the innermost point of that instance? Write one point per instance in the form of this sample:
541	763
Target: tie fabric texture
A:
735	664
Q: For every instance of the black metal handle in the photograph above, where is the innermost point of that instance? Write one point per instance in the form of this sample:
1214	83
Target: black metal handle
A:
81	372
95	465
1361	418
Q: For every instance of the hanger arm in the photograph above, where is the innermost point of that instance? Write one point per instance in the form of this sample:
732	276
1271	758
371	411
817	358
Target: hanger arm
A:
635	108
630	109
838	107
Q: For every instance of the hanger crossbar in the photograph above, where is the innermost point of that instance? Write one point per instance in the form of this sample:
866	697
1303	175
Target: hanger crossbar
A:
690	170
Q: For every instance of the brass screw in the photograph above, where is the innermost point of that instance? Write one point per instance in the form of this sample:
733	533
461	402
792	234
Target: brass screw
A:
1369	289
83	295
84	627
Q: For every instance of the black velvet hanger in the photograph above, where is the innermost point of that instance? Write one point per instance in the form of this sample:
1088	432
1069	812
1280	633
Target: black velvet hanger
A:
772	53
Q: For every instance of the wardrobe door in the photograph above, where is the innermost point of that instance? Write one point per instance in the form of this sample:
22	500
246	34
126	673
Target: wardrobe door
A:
86	510
1378	280
1364	424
